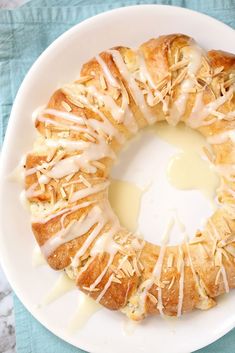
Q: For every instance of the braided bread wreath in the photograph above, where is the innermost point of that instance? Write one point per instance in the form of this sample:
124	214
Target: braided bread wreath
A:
67	176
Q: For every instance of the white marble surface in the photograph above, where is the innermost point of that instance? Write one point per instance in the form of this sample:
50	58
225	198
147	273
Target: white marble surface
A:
7	326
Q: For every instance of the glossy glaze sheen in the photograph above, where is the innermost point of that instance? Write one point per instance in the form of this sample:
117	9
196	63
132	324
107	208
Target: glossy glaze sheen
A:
204	328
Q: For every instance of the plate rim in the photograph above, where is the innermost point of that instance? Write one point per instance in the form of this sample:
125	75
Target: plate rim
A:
7	141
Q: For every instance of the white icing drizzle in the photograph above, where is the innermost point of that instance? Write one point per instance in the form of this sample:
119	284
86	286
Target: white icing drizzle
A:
104	215
68	166
30	192
214	230
196	109
69	145
37	257
179	105
108	284
77	195
86	308
116	111
198	116
44	165
65	115
106	129
200	291
43	179
73	164
102	274
23	200
105	244
230	115
222	137
151	98
46	218
135	90
85	267
158	267
104	125
156	274
74	230
91	152
45	120
99	215
62	285
145	75
216	236
214	240
88	242
128	117
225	279
181	283
119	113
89	124
36	112
107	73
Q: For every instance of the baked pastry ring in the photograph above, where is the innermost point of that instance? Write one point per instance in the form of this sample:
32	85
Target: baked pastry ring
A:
67	176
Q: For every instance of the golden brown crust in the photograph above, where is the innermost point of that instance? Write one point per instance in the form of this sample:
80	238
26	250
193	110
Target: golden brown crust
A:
191	274
220	58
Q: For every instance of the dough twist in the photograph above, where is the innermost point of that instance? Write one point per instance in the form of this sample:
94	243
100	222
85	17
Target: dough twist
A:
67	176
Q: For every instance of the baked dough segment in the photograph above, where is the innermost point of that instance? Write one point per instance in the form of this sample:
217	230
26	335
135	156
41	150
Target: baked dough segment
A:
82	129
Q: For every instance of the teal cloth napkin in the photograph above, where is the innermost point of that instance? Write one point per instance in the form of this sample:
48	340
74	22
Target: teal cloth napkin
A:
24	34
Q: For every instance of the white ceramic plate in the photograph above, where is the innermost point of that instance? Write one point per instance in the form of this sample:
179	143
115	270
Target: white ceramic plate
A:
58	64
